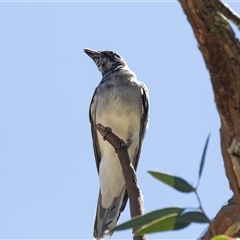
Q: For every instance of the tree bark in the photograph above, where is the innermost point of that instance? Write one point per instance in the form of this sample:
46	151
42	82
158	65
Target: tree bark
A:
221	53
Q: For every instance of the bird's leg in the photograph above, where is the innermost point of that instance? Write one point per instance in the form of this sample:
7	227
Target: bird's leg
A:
107	130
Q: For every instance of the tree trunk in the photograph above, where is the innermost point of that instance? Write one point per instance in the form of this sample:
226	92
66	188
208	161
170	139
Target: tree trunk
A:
221	52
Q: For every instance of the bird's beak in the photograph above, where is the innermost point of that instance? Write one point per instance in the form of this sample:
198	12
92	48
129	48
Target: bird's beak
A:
92	53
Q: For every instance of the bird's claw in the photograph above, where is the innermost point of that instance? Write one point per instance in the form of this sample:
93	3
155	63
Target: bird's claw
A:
121	144
106	132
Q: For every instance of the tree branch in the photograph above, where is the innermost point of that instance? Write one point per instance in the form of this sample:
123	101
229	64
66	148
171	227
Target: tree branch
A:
227	12
133	190
227	216
221	52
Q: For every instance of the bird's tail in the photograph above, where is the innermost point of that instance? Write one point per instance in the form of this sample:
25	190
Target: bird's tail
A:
106	219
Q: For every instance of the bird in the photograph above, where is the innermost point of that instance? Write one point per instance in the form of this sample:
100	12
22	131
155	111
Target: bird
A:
119	102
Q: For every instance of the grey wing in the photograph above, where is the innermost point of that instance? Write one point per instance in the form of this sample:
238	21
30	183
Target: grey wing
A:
144	121
144	125
92	116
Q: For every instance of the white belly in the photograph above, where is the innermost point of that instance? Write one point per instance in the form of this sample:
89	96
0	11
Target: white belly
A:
110	171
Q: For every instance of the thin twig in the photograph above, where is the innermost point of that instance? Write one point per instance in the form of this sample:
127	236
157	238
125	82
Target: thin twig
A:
200	203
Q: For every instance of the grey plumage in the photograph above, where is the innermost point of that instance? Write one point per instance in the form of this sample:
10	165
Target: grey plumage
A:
120	102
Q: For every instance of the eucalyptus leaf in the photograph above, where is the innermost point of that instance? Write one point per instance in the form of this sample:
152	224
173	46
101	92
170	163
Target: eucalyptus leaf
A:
147	218
195	216
220	237
173	181
173	222
203	158
167	223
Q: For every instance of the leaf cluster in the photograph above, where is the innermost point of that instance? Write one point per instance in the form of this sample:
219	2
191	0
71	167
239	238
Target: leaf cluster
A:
173	218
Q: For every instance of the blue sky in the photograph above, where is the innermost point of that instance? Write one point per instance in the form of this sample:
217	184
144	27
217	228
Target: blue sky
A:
48	179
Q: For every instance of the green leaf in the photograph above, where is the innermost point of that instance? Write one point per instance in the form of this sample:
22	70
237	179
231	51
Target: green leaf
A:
173	222
197	217
166	223
173	181
220	237
160	225
147	218
203	158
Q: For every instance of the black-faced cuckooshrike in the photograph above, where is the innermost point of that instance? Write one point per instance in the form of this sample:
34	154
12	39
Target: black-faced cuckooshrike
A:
120	102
